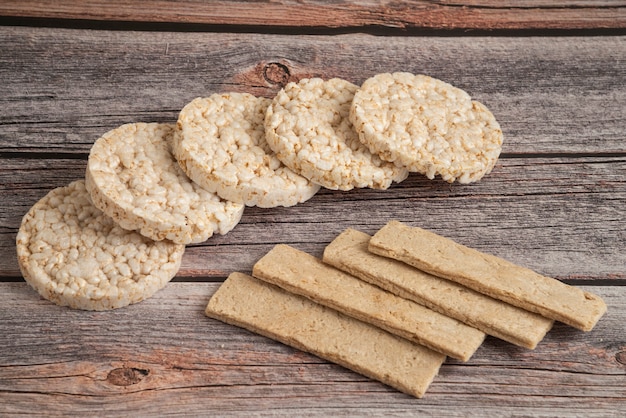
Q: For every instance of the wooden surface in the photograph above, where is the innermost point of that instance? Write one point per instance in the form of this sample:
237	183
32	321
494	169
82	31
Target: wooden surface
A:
164	356
554	202
353	14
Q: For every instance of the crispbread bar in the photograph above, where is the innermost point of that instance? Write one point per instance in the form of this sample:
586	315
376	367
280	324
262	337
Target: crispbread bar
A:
488	274
303	274
348	252
300	323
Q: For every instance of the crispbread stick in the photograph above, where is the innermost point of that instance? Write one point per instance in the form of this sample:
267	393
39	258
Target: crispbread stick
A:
300	323
303	274
488	274
349	253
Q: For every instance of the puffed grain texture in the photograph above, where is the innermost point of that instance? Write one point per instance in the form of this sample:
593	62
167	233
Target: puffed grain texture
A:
133	177
74	255
301	273
308	128
222	147
293	320
488	274
427	126
348	252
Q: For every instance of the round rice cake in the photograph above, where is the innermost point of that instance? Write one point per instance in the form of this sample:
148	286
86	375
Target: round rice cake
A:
427	126
74	255
222	147
133	177
308	128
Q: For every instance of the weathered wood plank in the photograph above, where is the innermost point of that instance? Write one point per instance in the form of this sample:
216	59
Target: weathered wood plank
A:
563	217
163	356
482	14
65	88
555	202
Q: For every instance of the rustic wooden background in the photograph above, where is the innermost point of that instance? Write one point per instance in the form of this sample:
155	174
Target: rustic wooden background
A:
553	73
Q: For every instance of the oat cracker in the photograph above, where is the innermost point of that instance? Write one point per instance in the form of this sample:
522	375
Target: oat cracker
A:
222	147
307	126
427	126
488	274
349	253
133	177
303	274
300	323
74	255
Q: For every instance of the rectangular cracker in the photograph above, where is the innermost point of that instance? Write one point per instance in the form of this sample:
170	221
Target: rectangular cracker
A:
348	252
305	275
265	309
488	274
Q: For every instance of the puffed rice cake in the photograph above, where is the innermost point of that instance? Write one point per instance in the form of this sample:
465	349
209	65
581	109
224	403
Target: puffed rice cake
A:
307	126
133	177
74	255
222	147
427	126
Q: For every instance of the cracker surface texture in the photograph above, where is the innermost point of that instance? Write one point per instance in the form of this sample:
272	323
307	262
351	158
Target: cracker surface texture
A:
301	273
74	255
489	274
348	252
222	147
133	177
300	323
427	126
307	125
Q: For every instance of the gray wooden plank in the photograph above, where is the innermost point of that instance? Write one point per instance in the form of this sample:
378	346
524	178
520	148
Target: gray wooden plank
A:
563	217
163	356
64	88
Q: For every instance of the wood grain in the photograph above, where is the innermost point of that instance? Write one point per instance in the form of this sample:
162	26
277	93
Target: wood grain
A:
405	15
163	356
562	217
554	202
561	178
65	88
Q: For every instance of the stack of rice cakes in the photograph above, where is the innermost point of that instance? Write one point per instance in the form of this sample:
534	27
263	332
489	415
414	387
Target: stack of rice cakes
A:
177	184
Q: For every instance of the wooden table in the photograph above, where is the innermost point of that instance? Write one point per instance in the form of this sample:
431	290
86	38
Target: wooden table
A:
553	74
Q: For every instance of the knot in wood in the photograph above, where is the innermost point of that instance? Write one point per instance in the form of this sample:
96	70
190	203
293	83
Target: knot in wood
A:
276	73
621	357
126	376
